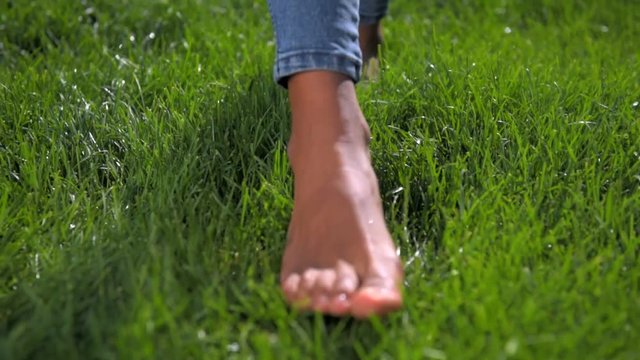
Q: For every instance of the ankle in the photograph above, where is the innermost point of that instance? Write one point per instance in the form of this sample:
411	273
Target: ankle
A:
325	130
346	165
326	151
325	117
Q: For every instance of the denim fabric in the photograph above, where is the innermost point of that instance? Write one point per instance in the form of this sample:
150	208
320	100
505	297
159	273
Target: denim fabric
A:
372	11
320	35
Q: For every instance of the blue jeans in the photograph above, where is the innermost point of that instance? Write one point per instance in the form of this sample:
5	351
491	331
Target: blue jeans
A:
320	35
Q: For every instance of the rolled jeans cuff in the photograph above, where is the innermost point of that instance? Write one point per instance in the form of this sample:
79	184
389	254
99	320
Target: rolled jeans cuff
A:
371	19
372	11
291	63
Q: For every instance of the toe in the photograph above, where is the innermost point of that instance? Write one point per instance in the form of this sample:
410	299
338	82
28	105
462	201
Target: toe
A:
346	280
290	286
368	302
308	280
322	289
376	296
345	283
339	305
320	303
301	299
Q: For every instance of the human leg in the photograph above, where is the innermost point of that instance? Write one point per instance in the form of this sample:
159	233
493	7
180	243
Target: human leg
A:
372	11
340	258
315	34
370	28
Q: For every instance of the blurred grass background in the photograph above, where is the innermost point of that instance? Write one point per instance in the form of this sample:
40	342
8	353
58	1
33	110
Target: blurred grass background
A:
145	190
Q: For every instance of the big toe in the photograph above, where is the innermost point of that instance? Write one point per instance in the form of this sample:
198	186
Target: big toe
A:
369	301
376	296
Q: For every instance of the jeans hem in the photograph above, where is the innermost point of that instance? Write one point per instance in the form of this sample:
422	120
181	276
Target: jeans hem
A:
293	63
371	19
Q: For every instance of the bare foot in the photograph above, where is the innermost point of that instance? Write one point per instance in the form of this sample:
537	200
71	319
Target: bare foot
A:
340	258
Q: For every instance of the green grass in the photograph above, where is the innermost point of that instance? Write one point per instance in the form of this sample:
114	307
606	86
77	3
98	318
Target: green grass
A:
145	190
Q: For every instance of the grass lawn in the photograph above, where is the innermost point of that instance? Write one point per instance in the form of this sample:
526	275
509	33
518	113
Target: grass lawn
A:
145	190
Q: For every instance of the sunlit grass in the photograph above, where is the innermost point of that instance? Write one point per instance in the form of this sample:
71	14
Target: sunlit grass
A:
145	190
